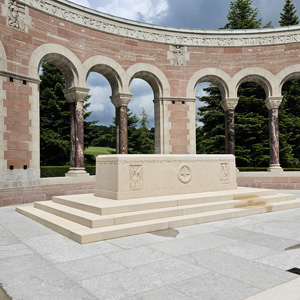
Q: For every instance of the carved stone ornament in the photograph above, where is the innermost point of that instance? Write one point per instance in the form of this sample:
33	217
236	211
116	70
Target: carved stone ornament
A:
16	15
229	103
273	102
184	174
75	94
136	177
178	55
224	176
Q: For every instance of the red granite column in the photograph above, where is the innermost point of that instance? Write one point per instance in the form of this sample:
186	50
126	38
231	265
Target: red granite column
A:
273	104
76	97
120	101
229	105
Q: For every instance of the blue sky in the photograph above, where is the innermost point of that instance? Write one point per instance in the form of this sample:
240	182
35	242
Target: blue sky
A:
204	14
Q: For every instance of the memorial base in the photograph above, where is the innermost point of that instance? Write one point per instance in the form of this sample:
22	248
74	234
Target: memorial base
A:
157	193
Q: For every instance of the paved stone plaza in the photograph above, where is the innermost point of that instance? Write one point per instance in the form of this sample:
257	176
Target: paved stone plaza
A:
232	259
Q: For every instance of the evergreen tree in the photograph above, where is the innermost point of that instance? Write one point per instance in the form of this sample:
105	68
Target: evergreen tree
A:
55	119
142	139
242	16
251	113
289	119
288	17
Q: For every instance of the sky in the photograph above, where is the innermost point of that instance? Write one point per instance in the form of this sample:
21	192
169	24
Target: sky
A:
202	14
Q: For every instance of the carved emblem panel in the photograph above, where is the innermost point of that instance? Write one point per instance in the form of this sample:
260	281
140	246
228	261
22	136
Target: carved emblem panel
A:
184	174
16	16
178	55
224	176
136	177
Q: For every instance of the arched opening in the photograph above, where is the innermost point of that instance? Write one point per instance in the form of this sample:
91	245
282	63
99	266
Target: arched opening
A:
100	137
210	128
289	122
252	123
141	120
54	114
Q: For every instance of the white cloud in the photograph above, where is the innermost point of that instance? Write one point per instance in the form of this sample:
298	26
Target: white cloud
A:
150	11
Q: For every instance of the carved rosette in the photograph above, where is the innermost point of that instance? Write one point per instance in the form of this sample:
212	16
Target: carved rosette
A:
178	55
184	174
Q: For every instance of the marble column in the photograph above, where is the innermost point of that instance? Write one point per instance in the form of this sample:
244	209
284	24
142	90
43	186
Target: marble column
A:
273	104
120	101
76	97
229	105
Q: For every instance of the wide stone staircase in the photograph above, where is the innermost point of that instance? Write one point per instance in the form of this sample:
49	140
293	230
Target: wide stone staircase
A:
86	218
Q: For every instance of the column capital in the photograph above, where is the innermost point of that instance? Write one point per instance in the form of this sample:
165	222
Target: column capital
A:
229	103
273	102
76	94
120	99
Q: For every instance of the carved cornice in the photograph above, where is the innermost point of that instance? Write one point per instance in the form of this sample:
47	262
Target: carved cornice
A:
273	102
161	34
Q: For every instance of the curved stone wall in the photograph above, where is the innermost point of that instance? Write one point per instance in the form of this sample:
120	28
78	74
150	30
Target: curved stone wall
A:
172	60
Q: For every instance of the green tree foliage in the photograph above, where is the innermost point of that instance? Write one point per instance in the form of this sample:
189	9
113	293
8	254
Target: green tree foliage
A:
251	114
211	134
289	110
142	139
242	16
288	17
55	119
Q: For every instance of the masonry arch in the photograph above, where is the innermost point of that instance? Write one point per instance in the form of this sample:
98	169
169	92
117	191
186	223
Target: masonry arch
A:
289	73
154	76
258	75
213	75
64	59
108	68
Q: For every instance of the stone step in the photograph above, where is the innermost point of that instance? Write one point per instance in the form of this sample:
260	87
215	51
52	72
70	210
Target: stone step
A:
95	221
83	234
103	206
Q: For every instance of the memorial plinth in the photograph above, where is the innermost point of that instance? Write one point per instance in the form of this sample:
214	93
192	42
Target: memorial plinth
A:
123	177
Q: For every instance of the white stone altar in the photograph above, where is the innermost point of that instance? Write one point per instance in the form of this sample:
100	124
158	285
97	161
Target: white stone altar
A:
123	177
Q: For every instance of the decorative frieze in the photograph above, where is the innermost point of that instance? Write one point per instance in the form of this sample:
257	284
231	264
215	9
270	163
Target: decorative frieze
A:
159	34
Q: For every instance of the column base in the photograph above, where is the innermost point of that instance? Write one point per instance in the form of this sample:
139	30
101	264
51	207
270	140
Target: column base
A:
275	169
76	172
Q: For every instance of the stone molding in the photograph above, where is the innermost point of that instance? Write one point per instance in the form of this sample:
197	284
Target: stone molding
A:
162	34
229	103
19	77
273	102
76	94
119	100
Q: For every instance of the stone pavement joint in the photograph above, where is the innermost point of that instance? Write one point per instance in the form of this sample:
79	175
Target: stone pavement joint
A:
241	258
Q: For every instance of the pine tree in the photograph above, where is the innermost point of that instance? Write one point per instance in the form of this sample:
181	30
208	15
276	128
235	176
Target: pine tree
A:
55	119
289	119
251	113
242	16
288	17
142	139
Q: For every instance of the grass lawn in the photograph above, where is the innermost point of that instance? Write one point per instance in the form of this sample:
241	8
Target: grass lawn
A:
95	151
